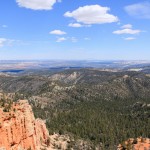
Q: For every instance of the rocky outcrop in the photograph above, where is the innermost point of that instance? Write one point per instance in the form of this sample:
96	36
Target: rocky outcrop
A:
135	144
19	130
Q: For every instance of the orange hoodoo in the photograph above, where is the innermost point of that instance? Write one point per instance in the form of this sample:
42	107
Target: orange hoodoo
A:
19	130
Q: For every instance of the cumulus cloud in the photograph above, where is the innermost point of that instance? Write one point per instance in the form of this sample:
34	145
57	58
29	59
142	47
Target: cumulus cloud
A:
58	32
78	25
75	25
127	26
2	41
71	39
61	39
36	4
127	29
129	38
92	14
139	10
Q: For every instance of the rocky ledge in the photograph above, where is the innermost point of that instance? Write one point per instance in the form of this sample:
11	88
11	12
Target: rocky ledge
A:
135	144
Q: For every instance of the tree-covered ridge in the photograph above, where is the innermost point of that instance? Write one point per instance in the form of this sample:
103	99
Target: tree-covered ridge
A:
104	108
5	102
102	122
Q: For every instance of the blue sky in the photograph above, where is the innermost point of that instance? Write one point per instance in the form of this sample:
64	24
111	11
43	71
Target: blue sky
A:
75	29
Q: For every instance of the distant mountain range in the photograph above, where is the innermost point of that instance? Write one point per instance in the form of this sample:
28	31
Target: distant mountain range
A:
54	64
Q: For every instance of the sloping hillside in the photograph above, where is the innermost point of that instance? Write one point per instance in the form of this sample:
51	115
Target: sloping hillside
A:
102	107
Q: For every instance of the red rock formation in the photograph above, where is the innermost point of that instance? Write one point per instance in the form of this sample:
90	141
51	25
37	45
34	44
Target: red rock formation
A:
20	131
135	144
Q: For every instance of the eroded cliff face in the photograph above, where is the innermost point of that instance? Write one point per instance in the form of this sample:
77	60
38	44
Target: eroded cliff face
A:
19	130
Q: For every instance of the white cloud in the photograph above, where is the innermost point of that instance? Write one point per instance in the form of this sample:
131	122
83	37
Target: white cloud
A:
57	32
130	38
2	41
61	39
127	31
92	14
75	25
37	4
78	25
139	10
9	42
72	39
127	26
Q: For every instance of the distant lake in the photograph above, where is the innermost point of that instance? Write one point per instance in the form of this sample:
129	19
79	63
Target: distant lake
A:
12	71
